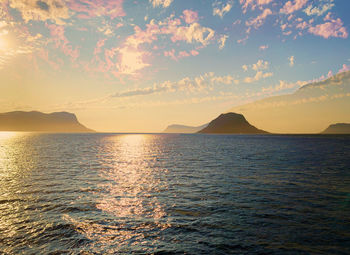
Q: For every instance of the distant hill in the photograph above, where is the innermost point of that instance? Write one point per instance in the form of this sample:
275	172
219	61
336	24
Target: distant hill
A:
183	129
41	122
231	123
308	110
339	128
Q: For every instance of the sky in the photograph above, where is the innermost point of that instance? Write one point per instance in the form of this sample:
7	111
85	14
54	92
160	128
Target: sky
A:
138	66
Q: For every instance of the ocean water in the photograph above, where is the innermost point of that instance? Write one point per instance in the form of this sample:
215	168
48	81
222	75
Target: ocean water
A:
174	194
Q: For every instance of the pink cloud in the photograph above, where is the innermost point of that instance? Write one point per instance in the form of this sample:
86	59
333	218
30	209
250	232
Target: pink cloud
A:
132	56
194	33
259	21
331	28
253	4
290	7
194	52
263	47
99	45
182	54
345	68
95	8
171	54
302	25
119	25
190	16
57	34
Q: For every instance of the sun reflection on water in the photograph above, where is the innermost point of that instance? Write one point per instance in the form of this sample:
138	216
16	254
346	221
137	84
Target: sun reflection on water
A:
16	163
129	194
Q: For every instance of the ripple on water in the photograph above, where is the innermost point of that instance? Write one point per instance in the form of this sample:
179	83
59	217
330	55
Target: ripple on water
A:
161	194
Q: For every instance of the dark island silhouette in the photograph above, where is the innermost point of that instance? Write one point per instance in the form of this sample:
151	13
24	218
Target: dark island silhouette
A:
231	123
183	129
41	122
338	128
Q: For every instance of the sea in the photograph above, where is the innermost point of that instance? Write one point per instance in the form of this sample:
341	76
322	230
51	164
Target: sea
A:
174	194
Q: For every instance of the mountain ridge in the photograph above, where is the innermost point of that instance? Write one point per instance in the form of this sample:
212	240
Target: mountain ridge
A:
35	121
337	128
231	123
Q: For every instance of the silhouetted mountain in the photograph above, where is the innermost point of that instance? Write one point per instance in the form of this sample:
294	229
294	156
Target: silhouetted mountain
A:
339	128
183	129
231	123
41	122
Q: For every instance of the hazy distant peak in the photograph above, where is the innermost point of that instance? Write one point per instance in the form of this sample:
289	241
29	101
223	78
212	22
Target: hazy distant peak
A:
176	128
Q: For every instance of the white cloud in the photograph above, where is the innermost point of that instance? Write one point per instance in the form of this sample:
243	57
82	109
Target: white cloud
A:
291	61
194	33
259	21
258	76
221	9
222	41
290	7
331	28
161	3
319	10
260	65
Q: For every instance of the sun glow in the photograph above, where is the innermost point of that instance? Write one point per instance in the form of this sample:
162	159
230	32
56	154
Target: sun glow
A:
3	44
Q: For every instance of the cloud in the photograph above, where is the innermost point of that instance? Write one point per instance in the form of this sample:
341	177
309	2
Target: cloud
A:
222	41
330	74
190	16
253	4
318	10
182	54
290	7
220	9
259	21
331	28
344	68
161	3
260	65
133	57
193	33
97	8
284	85
131	60
58	36
264	47
198	83
258	76
291	61
54	10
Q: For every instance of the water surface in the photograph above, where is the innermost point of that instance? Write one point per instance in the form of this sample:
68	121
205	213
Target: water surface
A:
174	194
